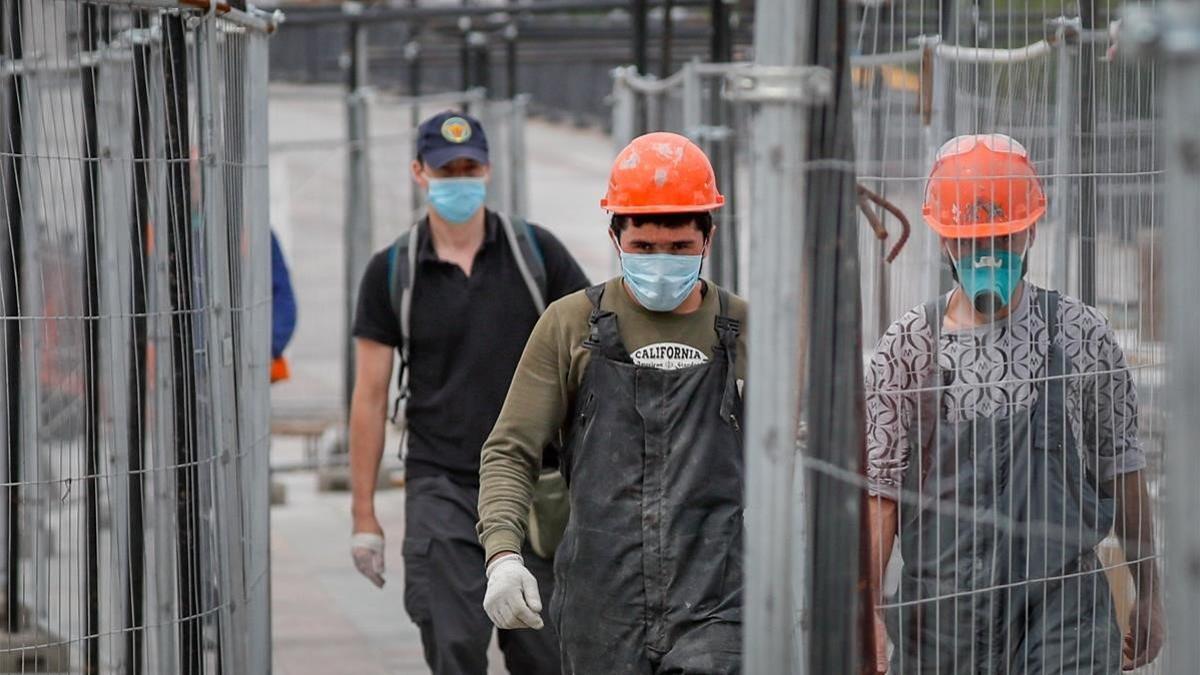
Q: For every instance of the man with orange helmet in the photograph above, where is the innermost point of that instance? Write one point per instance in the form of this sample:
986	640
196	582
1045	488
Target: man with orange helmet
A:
1003	447
641	377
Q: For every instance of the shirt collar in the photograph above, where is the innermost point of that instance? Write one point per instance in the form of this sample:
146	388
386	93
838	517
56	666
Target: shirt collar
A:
425	250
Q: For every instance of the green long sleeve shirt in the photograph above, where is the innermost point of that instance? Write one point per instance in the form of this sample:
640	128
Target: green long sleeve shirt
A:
550	372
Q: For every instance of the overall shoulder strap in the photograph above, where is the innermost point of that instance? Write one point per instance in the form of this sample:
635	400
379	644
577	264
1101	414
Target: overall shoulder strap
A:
1049	302
604	335
528	255
728	329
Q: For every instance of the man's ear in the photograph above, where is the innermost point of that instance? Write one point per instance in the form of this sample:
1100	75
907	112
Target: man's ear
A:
418	174
708	241
615	239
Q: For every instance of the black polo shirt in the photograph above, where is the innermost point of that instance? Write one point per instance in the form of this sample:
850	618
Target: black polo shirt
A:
468	334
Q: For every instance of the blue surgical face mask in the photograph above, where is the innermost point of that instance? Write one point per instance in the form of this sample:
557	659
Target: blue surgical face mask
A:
457	199
660	281
989	277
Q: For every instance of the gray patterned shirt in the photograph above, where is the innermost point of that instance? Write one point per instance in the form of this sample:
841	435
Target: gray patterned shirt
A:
992	371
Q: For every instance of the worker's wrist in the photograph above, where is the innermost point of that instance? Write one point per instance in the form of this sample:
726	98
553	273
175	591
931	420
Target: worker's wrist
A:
500	558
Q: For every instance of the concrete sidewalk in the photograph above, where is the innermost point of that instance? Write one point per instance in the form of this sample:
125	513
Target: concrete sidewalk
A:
326	618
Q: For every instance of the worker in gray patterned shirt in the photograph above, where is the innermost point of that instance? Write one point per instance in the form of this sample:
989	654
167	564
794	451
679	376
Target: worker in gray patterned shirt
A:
1003	447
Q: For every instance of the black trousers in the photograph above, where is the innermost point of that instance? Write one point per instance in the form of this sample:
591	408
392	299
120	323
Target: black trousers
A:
444	585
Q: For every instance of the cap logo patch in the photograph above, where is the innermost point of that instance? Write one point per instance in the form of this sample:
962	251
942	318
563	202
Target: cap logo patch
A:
456	130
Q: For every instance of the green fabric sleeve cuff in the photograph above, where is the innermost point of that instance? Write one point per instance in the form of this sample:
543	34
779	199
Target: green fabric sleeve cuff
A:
501	541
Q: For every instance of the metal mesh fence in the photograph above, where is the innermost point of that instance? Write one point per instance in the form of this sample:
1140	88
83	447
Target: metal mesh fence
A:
996	567
136	291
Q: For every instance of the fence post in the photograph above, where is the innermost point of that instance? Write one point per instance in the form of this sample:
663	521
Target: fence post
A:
938	99
1171	32
359	229
412	56
518	168
12	172
1064	143
256	293
778	349
624	108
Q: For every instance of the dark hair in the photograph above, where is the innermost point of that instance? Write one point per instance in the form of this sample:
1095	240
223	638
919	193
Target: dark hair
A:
702	220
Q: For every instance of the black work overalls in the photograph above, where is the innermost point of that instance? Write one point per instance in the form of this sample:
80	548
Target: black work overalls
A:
1000	573
649	573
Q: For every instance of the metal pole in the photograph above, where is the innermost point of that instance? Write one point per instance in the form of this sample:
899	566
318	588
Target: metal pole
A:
13	168
412	56
481	64
180	283
638	15
778	350
464	53
725	254
1087	155
139	225
1171	32
358	230
91	341
838	603
1064	138
668	39
510	60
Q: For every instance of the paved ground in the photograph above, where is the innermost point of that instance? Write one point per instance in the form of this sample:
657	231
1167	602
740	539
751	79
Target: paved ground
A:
326	618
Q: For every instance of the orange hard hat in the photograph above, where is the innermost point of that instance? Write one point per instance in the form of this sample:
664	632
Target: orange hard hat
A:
662	173
982	186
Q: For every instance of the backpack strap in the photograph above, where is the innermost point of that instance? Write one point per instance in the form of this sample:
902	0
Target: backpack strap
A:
528	254
402	272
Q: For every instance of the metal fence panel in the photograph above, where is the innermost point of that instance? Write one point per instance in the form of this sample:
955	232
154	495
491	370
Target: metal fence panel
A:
137	316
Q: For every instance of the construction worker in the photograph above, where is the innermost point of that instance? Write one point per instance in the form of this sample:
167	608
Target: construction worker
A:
1003	447
457	297
641	376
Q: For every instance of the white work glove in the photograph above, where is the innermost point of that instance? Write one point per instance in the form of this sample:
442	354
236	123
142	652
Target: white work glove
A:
367	550
512	599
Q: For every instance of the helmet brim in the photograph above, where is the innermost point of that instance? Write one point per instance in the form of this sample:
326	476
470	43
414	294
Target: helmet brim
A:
661	208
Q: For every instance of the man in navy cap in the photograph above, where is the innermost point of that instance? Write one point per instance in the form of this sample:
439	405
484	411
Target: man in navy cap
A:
456	296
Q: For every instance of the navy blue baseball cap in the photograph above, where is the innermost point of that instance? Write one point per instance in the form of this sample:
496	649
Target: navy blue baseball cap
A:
450	135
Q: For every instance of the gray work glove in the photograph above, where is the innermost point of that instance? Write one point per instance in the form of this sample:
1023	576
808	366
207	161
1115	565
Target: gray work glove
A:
367	550
512	599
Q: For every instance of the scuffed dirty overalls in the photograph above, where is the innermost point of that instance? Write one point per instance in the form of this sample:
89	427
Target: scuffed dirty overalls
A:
649	573
1000	573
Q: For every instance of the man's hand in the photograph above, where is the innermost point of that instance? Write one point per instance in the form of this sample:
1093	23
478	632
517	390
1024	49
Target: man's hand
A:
366	548
1147	631
512	599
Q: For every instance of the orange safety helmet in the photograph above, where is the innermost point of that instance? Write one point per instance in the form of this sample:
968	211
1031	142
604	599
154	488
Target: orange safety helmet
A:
982	186
661	173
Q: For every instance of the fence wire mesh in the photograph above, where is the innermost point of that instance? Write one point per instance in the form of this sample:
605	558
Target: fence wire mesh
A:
136	291
1020	497
1025	486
